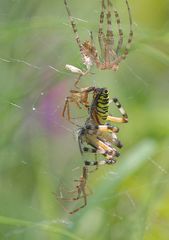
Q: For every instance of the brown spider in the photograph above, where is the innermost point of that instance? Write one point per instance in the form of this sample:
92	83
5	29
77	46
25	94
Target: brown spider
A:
81	191
79	97
110	57
110	53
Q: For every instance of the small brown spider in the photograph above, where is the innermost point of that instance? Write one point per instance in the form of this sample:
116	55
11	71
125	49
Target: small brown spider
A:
110	54
79	97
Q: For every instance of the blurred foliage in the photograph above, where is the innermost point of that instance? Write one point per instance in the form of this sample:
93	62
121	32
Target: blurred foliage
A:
38	149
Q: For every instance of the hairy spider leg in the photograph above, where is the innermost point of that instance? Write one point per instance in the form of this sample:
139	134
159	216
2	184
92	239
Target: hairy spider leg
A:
130	37
101	35
109	44
74	27
120	31
124	118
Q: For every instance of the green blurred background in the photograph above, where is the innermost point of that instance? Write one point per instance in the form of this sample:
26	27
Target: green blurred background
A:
38	148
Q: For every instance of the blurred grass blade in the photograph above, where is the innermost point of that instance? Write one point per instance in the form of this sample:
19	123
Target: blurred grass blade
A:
42	226
137	157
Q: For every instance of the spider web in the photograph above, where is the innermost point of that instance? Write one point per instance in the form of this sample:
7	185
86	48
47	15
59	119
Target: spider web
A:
39	107
43	106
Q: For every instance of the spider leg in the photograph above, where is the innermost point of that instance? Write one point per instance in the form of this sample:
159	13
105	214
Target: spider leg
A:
116	119
72	200
79	208
100	163
77	104
94	54
120	32
107	128
109	158
109	36
74	27
82	189
79	97
78	191
69	199
82	74
81	192
75	70
80	144
124	118
97	143
130	38
116	142
66	108
108	162
90	150
92	163
91	38
103	128
120	108
85	92
112	138
101	143
102	151
113	152
78	80
67	192
101	36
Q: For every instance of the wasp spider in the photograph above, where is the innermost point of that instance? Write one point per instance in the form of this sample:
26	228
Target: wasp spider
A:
97	132
96	136
110	54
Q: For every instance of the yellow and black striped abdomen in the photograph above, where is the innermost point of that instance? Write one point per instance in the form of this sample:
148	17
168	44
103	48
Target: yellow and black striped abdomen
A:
100	105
